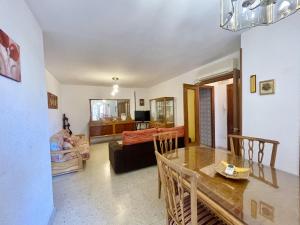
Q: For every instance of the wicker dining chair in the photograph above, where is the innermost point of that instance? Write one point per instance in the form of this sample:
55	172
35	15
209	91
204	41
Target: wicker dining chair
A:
180	189
165	142
248	144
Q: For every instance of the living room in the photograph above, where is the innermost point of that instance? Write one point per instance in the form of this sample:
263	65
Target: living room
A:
60	71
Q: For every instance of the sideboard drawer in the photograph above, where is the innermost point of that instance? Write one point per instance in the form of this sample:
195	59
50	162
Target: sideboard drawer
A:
101	130
124	127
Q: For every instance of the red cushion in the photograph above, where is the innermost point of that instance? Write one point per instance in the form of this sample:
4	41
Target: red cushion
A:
180	130
139	136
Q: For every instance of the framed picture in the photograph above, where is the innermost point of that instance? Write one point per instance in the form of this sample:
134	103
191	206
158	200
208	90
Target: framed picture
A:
52	101
10	65
253	84
142	102
267	87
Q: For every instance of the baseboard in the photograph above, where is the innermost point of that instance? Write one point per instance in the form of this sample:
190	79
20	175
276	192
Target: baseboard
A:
103	139
52	216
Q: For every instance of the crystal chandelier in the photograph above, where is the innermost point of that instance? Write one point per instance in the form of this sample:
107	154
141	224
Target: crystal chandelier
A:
240	14
115	86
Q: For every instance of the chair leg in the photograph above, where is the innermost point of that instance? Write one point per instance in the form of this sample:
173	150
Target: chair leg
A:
159	187
168	219
159	184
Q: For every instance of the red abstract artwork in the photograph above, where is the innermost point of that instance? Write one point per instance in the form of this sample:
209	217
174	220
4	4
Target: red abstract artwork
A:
9	57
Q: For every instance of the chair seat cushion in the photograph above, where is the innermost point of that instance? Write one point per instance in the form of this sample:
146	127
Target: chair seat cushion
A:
205	216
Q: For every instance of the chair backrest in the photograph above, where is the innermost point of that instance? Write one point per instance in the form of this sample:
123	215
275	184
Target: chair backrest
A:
247	143
175	180
167	141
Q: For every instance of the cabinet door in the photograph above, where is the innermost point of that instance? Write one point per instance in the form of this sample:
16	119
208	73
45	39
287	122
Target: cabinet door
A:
169	111
160	110
153	116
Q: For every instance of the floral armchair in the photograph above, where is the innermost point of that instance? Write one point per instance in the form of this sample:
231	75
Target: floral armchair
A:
68	152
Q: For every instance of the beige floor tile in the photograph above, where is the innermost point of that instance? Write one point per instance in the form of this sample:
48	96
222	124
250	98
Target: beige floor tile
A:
98	196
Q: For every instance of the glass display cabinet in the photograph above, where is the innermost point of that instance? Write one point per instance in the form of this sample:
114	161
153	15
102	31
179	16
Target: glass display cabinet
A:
162	112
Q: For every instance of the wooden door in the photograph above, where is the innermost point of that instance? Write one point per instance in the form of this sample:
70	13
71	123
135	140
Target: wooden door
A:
236	107
207	116
191	114
237	102
230	125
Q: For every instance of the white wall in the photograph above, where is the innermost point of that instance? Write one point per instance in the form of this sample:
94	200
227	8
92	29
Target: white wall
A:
54	115
75	98
174	87
25	174
273	52
75	102
220	89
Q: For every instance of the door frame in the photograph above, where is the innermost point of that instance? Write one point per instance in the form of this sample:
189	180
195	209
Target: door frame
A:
237	92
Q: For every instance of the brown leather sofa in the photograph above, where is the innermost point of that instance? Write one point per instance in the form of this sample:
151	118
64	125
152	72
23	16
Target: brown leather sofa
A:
137	150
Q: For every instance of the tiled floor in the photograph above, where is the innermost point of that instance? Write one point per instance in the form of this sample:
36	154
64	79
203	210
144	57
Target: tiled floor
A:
98	196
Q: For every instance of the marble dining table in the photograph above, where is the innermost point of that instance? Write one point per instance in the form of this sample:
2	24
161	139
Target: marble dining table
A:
268	197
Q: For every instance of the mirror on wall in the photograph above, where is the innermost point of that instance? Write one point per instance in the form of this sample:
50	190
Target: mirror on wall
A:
110	109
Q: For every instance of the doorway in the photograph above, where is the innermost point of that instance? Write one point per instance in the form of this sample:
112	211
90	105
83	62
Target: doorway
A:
207	116
216	104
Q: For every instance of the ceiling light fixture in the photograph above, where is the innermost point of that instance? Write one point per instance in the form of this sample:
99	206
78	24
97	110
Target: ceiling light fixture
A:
241	14
115	86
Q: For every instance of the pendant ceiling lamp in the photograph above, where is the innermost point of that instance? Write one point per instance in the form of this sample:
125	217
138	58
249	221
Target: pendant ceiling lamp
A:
240	14
115	86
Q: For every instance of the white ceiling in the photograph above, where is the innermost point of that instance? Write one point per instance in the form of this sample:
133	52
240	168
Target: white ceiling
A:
143	42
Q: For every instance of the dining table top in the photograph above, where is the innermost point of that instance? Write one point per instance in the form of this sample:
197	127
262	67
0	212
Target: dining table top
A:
268	196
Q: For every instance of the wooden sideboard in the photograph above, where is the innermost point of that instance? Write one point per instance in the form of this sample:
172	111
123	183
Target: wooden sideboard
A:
100	128
154	124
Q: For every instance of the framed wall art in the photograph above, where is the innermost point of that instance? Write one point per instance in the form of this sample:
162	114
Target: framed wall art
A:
52	101
253	84
10	65
267	87
142	102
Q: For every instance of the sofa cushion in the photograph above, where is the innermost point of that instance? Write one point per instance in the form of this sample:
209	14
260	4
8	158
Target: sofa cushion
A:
56	142
179	129
84	150
67	145
64	133
139	136
69	140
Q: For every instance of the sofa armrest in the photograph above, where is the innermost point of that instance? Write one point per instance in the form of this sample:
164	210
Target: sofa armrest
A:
66	151
115	146
80	135
116	155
